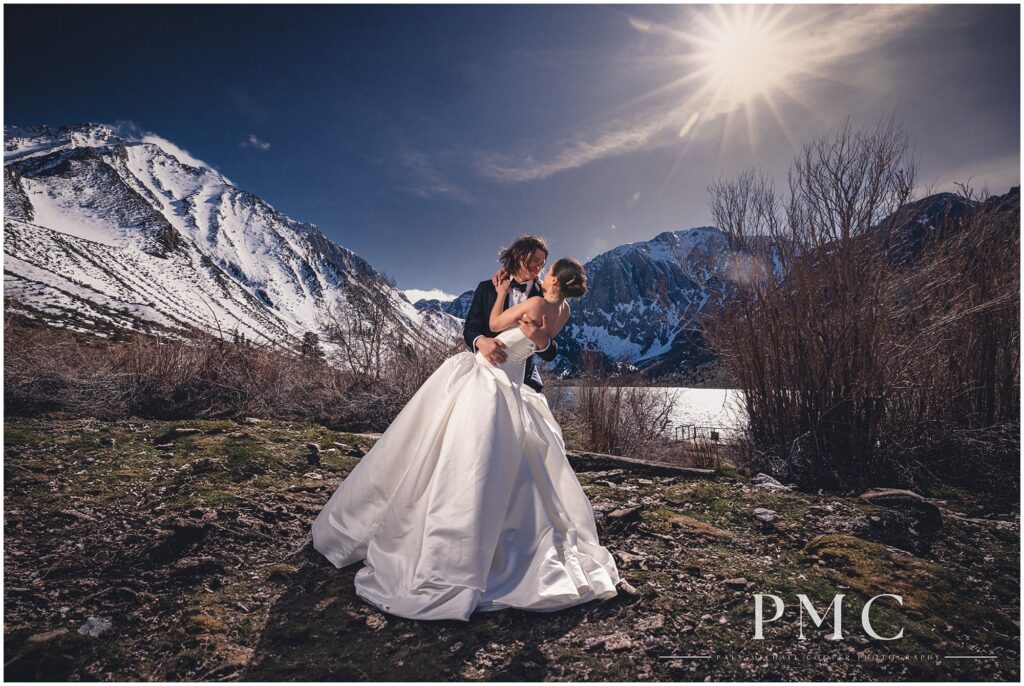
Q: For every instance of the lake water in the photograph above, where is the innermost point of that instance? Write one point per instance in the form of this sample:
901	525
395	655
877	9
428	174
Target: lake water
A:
708	409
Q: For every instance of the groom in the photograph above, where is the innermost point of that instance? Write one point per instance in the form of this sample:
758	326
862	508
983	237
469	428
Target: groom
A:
523	260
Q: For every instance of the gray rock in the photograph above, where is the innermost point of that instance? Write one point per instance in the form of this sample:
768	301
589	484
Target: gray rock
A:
200	466
612	642
46	636
627	588
763	478
94	626
626	513
78	515
774	487
612	475
629	559
901	499
650	623
737	584
765	515
376	622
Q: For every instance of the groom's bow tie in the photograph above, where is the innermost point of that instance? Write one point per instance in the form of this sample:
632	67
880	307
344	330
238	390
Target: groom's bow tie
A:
521	287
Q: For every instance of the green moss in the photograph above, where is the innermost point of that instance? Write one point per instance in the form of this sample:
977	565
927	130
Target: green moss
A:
214	426
707	493
244	456
165	432
872	569
282	572
16	436
159	432
337	462
84	442
659	513
211	496
727	469
203	621
325	437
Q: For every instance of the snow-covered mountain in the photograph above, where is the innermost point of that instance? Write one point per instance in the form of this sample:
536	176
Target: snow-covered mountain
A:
642	298
640	303
459	307
107	229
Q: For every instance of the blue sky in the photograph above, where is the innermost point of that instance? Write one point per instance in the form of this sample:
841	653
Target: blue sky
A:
426	137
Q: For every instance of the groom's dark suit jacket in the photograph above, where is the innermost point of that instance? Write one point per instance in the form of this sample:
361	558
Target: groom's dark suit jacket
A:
478	324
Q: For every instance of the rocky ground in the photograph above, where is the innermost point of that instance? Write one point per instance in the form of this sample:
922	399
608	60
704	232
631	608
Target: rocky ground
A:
143	550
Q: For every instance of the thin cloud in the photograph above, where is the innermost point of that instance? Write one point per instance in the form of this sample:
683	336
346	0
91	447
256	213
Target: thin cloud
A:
427	181
130	131
575	153
254	142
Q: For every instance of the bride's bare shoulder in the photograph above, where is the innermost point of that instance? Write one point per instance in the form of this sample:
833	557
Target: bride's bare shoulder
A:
536	302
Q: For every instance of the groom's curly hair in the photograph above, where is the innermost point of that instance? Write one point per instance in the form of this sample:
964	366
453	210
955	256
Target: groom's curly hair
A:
520	251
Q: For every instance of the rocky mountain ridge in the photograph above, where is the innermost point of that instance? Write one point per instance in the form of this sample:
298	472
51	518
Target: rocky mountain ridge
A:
109	230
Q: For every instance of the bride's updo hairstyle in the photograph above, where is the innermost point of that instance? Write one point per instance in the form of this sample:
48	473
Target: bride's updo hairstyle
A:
572	278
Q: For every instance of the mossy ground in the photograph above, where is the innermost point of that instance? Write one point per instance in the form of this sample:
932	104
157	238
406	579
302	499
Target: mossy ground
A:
192	546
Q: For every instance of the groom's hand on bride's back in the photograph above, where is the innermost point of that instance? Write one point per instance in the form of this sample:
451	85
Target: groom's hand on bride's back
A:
492	349
534	330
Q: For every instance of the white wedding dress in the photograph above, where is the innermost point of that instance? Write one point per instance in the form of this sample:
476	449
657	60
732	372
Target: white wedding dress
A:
468	503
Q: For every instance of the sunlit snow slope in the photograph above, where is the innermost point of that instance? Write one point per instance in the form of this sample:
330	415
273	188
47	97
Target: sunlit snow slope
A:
107	230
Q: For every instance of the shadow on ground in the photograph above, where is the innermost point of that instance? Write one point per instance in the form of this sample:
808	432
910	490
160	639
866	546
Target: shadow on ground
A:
320	630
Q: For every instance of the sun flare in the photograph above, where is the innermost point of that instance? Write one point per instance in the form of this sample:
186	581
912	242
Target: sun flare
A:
744	56
738	64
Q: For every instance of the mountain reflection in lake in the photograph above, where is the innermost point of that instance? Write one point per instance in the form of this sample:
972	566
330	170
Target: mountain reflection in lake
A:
718	409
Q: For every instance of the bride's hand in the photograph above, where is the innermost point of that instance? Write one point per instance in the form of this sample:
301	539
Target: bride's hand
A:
503	287
499	276
535	331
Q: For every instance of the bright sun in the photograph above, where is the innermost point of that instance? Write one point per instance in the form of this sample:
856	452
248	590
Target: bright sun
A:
737	62
742	54
744	57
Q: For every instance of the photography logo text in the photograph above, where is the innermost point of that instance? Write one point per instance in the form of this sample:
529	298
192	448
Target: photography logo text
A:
835	608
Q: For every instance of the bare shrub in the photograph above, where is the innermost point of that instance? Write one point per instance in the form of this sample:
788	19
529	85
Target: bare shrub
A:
51	369
598	416
48	369
384	361
847	351
363	327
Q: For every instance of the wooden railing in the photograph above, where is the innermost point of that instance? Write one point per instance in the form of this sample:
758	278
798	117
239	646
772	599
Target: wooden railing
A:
692	432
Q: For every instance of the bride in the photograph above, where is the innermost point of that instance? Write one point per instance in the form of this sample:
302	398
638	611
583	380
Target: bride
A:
467	502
